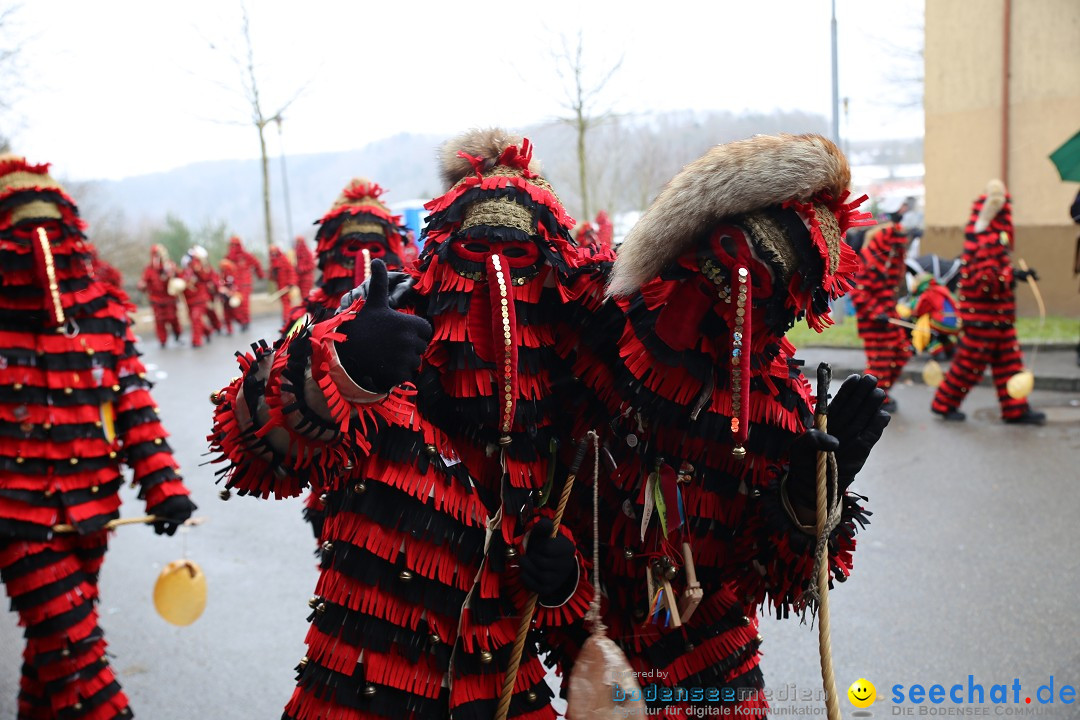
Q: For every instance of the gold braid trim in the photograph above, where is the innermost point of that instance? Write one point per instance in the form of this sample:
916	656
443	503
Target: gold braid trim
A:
499	212
35	210
355	226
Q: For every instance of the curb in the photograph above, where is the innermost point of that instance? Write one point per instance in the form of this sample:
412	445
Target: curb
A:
1053	384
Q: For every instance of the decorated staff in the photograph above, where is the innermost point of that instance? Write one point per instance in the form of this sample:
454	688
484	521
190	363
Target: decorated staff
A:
75	406
708	515
988	311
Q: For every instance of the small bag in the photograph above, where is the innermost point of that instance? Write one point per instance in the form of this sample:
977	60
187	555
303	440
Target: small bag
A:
603	686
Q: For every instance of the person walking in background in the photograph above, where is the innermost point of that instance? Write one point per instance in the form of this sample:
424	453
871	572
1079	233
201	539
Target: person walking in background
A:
161	285
305	267
76	405
246	264
230	296
876	286
104	271
199	291
987	312
283	275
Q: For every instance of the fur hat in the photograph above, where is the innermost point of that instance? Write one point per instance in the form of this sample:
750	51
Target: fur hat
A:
729	180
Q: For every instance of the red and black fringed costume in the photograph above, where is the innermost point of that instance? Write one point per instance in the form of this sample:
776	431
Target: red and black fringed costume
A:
229	294
702	398
430	490
305	267
887	345
74	406
104	271
155	284
200	291
987	310
283	275
358	227
246	264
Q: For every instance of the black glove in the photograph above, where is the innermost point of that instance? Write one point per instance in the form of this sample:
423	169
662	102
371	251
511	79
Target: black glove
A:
882	318
1022	275
399	284
383	346
856	422
802	466
173	510
549	567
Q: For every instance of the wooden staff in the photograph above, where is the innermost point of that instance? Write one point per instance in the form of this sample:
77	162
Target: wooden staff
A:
530	605
821	422
118	522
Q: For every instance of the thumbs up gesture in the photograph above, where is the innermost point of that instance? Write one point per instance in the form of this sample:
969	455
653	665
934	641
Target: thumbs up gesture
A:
383	347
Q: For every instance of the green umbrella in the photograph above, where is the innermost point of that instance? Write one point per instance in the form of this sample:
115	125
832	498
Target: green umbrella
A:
1067	159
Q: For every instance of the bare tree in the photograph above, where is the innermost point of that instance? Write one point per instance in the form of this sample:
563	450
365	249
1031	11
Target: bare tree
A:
244	61
582	101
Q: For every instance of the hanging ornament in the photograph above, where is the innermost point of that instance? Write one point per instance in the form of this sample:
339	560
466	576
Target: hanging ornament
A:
180	592
932	374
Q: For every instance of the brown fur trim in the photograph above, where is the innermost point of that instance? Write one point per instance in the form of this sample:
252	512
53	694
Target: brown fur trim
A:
995	200
728	180
484	143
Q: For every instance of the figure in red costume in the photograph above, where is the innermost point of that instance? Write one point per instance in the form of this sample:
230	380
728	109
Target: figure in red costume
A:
75	405
160	283
103	270
305	268
283	275
877	284
988	311
229	295
431	488
199	291
358	227
707	496
246	264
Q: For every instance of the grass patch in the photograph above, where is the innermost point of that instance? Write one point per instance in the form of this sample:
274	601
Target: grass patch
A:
1056	329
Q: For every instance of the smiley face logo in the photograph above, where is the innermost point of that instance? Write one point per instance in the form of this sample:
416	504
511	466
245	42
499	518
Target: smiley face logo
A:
862	693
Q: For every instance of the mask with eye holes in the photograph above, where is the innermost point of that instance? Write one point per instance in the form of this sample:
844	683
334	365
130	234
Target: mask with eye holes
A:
496	268
358	228
47	273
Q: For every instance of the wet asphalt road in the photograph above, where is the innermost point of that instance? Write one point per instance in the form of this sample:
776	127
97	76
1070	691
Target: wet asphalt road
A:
971	566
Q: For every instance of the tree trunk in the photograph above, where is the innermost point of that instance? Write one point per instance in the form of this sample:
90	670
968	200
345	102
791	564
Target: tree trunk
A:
265	188
582	126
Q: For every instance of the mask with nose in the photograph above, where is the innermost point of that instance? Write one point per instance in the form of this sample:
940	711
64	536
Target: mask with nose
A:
47	275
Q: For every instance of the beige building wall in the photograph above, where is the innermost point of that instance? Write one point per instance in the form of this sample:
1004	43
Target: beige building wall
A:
965	41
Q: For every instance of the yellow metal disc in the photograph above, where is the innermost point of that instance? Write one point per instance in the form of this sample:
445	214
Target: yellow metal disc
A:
903	310
1020	385
932	374
180	592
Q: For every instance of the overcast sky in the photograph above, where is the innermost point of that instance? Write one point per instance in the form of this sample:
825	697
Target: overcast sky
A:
114	88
